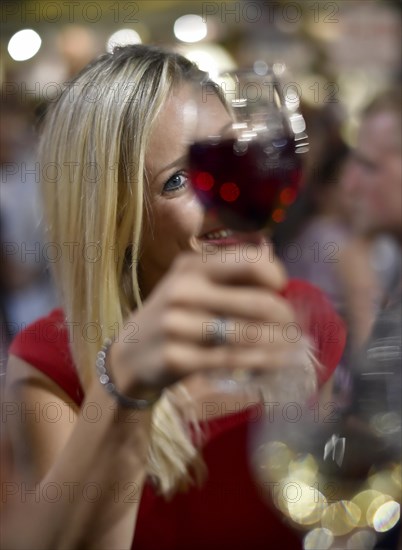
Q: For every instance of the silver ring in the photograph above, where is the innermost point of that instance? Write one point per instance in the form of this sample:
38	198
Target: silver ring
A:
220	336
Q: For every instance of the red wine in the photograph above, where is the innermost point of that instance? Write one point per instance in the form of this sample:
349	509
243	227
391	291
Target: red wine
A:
248	184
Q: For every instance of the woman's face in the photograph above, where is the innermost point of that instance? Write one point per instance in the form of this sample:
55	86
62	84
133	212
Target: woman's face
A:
176	221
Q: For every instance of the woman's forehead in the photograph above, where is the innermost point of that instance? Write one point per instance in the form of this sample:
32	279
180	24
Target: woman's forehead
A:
175	128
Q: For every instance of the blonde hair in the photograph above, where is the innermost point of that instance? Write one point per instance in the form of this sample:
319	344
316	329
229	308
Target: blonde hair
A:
92	152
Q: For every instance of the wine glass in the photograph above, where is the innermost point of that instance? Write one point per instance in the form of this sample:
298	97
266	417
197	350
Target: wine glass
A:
249	171
333	473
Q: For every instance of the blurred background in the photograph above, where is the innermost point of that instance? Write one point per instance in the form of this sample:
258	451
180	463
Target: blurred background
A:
339	55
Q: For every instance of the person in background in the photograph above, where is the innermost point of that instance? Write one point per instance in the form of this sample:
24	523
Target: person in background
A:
375	183
26	289
370	266
326	240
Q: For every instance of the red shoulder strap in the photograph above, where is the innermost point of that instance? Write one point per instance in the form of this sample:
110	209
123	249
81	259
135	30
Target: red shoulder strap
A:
45	345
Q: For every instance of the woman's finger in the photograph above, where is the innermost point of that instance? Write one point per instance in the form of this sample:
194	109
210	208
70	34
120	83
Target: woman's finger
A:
202	327
182	359
240	302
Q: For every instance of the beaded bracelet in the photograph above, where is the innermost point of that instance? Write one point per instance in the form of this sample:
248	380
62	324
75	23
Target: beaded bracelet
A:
123	400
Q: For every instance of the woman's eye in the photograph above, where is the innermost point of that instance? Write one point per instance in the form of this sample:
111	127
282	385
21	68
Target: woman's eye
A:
176	182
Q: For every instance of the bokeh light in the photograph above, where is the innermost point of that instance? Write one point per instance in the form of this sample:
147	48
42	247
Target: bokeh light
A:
24	45
190	28
123	37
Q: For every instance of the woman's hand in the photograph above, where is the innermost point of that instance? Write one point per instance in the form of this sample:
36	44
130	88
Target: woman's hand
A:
175	325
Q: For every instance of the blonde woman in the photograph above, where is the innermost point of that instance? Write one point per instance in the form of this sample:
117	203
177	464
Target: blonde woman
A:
119	206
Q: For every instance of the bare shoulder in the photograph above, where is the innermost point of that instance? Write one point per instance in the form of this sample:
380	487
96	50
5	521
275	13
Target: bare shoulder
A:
24	378
39	417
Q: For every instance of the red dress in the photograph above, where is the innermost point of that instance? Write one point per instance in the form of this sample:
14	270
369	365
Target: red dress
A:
228	512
